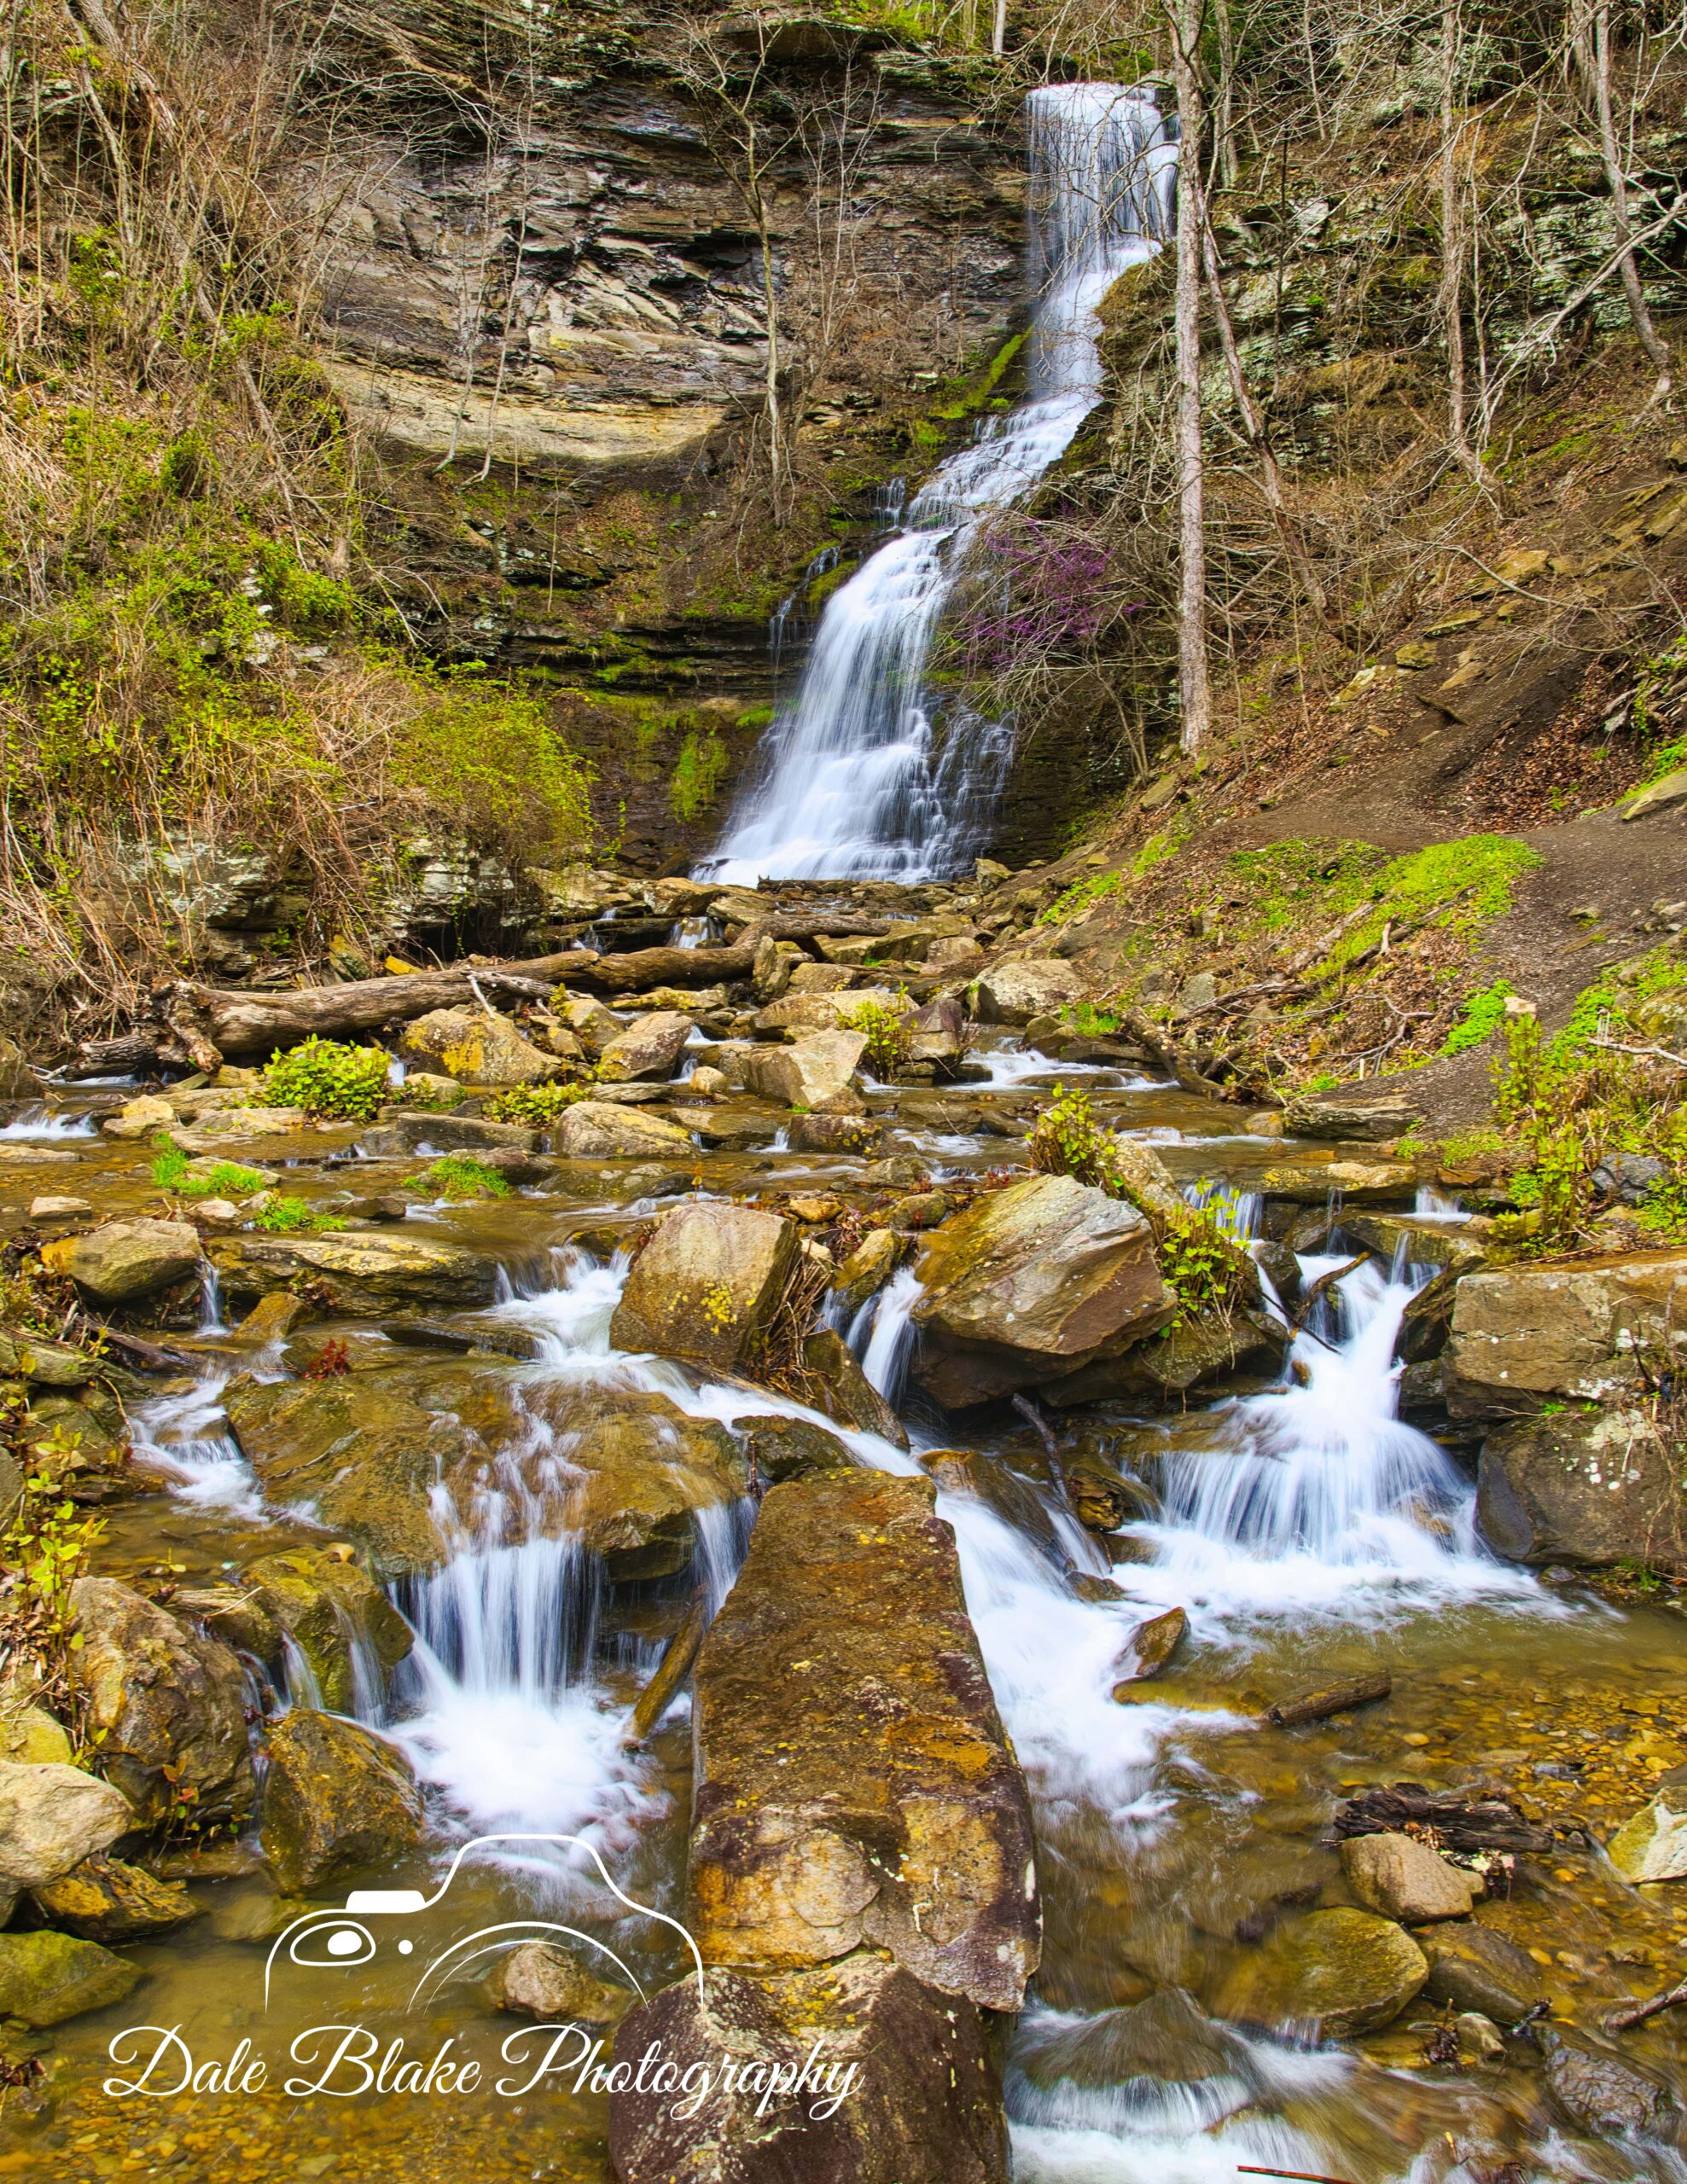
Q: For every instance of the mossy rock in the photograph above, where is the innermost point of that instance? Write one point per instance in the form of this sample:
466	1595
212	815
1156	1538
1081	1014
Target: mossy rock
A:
46	1978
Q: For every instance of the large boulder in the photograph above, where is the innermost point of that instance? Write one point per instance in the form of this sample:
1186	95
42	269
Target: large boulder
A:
1590	1488
362	1275
104	1899
478	1047
649	1047
1026	986
330	1610
853	1783
405	1133
166	1707
800	1013
707	1283
335	1800
1472	1968
1523	1336
817	1073
46	1978
122	1260
594	1130
51	1818
1406	1880
1331	1975
914	2093
1030	1283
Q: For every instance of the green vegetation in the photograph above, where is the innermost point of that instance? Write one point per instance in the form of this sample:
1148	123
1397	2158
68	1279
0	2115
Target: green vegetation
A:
286	1215
1481	1017
1082	896
328	1079
228	1179
1458	885
536	1106
458	1175
888	1032
43	1549
697	773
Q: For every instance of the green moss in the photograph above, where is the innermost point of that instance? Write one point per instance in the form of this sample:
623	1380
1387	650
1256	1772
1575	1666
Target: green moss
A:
698	770
1482	1015
459	1176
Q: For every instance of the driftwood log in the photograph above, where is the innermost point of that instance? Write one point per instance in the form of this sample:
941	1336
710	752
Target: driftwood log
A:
1488	1824
1332	1698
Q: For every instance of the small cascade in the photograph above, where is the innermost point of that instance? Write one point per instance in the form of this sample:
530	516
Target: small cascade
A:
891	1344
41	1125
862	775
186	1439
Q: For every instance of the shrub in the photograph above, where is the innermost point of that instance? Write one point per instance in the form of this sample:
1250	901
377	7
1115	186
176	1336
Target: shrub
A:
535	1105
286	1215
459	1176
888	1033
1067	1140
328	1077
228	1179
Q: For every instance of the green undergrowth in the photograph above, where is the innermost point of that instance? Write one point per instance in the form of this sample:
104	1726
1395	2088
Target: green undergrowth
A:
288	1216
458	1175
329	1078
535	1106
228	1179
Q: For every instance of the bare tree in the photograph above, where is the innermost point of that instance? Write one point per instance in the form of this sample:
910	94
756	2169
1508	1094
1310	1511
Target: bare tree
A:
1590	40
1194	678
1450	299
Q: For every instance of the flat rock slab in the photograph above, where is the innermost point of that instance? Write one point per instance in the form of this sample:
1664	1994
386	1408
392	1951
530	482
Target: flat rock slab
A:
874	2079
853	1783
370	1275
1525	1335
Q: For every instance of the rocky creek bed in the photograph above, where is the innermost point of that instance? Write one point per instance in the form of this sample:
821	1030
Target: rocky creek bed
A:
784	1493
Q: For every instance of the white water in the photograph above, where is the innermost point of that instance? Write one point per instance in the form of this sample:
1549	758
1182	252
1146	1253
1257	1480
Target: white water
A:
42	1124
862	777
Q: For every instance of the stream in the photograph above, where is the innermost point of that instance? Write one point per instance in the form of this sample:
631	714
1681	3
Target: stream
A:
1306	1529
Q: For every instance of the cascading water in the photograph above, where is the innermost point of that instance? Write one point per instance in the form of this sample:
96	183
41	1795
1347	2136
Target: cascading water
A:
862	777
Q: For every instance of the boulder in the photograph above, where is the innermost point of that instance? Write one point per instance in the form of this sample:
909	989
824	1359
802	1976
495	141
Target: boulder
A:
1190	1356
272	1318
1652	1845
853	1783
402	1134
1026	986
1662	795
921	2088
1599	2092
141	1117
816	1072
800	1013
1152	1644
1472	1968
165	1707
362	1275
596	1130
867	1269
46	1978
1525	1335
52	1816
103	1900
820	977
330	1610
1351	1115
31	1735
791	1447
1404	1880
834	1134
336	1800
835	1384
1359	1182
476	1047
540	1980
1330	1976
1030	1283
707	1283
706	1082
1590	1488
122	1260
649	1047
589	1021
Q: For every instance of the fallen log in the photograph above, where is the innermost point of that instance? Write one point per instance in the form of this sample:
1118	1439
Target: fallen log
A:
1488	1824
671	1671
1332	1698
641	969
800	925
1161	1047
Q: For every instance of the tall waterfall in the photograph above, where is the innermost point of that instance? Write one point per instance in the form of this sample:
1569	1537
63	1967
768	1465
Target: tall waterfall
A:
862	776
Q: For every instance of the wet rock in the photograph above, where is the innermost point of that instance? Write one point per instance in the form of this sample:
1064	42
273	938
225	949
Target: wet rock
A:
122	1260
402	1134
867	1269
649	1047
475	1048
52	1207
360	1274
1652	1845
834	1134
542	1981
836	1385
166	1707
1525	1335
596	1129
816	1072
707	1283
823	1011
1392	1236
335	1800
1167	2039
1404	1880
139	1119
727	1129
790	1448
103	1900
1369	1183
1023	987
707	1083
1332	1975
1351	1115
853	1782
46	1978
52	1816
1030	1284
923	2104
1598	2091
647	1470
425	1088
329	1609
1426	1322
1478	2038
776	964
1591	1489
272	1318
1151	1646
1190	1356
589	1021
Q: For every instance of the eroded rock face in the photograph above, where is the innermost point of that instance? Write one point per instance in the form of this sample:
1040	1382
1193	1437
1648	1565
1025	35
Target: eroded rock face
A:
168	1706
1333	1974
367	1275
924	2104
816	1072
51	1818
1032	1283
1023	987
1590	1488
335	1799
650	1047
327	1608
475	1048
122	1260
594	1130
854	1785
707	1284
1526	1335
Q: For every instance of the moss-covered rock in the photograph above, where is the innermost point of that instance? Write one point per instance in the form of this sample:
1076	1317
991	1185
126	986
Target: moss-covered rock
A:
335	1800
46	1978
1331	1975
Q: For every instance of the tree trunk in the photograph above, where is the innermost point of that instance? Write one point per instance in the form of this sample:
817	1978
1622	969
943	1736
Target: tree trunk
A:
1611	151
1194	683
1450	302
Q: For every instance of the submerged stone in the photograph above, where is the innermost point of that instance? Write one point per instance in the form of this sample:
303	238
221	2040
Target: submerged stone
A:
46	1978
104	1899
1331	1976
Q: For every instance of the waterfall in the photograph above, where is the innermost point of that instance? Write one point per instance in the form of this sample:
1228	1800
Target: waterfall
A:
863	776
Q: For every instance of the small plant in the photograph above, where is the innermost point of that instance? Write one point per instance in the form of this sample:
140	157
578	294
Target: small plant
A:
1083	895
458	1175
228	1179
1482	1015
535	1105
43	1549
329	1079
888	1033
1067	1140
331	1361
286	1215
